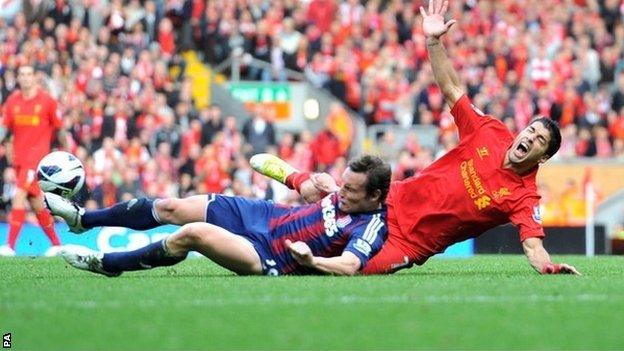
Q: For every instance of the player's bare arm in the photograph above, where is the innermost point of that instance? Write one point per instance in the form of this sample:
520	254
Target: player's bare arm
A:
345	264
434	28
540	259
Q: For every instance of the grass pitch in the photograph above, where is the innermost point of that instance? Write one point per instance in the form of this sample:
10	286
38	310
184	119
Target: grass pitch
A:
486	302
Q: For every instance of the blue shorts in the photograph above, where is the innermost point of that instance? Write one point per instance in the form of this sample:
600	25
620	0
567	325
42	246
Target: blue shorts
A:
249	219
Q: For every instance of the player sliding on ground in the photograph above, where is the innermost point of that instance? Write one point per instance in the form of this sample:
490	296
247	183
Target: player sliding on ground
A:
337	234
486	181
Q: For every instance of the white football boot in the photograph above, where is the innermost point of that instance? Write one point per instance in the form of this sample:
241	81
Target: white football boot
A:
67	210
86	259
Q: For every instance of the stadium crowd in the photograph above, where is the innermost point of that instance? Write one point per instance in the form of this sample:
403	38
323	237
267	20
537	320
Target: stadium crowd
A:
137	129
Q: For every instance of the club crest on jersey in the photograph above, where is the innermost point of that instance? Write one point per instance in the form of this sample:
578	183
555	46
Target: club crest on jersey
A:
483	152
537	214
329	216
343	221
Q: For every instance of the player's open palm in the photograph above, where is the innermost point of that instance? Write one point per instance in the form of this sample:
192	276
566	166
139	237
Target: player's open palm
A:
433	19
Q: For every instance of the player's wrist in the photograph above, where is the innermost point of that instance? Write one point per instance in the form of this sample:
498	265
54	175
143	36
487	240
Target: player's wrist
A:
433	41
551	268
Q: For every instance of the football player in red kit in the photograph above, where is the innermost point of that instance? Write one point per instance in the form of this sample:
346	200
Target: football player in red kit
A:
487	180
31	116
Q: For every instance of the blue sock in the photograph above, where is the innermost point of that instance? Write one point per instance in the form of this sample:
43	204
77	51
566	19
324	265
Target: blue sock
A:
134	214
150	256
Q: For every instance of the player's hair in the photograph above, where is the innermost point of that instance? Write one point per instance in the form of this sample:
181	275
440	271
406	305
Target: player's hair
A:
377	172
555	134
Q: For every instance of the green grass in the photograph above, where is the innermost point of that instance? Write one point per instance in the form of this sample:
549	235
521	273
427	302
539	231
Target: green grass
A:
487	302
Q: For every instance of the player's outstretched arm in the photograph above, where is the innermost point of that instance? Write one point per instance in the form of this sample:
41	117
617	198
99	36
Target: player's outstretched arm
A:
434	28
311	187
540	259
345	264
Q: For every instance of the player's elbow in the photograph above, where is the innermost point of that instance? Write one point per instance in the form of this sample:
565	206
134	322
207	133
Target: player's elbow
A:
351	266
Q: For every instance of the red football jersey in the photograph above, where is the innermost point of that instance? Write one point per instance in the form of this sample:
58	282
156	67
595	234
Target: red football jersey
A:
32	122
465	192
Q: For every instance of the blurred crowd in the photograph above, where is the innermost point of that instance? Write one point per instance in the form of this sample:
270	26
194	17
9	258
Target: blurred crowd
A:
116	68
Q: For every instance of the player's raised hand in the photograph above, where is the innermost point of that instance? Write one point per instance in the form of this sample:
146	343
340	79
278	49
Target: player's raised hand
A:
433	19
301	252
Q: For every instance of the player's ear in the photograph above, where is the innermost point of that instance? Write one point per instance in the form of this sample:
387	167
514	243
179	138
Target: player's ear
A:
376	196
543	159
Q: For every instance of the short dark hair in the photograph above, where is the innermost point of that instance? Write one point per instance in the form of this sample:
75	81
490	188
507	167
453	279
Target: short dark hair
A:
377	171
555	134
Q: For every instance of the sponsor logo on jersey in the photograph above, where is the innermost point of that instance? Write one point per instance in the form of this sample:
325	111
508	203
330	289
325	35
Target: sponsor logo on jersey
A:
474	185
329	216
537	214
27	120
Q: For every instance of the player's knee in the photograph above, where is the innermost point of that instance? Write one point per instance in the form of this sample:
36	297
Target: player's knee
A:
166	209
194	233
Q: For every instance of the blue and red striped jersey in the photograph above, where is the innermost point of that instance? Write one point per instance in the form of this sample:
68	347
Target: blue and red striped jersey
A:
327	230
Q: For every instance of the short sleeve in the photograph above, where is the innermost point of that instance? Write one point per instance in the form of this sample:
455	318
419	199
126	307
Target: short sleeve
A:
7	115
528	219
367	239
56	120
467	117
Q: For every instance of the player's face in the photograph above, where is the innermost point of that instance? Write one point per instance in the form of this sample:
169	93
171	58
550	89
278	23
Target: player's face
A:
26	77
529	147
353	197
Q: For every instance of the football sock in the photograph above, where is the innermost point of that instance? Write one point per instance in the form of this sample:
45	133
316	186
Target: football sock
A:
134	214
150	256
47	224
16	221
294	180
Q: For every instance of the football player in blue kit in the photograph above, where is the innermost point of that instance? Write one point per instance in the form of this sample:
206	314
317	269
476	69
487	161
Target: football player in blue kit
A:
335	235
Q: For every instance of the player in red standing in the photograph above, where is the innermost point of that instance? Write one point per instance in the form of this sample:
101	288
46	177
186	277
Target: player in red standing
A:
486	181
31	116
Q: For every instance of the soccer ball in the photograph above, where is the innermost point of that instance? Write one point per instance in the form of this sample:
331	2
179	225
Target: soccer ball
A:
61	173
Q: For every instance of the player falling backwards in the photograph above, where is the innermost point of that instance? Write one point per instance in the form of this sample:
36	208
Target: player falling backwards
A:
337	234
487	180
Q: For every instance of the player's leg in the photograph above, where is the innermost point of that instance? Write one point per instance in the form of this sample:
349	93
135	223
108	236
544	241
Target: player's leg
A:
389	259
140	214
272	167
278	169
18	205
16	218
226	249
35	198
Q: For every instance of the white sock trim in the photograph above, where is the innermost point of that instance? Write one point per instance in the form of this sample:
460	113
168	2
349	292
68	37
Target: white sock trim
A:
155	213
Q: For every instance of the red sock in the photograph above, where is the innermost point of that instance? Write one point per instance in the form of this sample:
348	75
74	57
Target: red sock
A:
16	221
47	224
295	180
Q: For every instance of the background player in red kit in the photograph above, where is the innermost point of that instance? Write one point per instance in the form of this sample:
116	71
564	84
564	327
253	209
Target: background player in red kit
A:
487	180
30	115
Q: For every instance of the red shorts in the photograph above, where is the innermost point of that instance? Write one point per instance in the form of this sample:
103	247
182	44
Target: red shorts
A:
27	180
394	254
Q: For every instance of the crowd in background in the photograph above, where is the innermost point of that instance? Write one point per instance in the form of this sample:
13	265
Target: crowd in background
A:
137	129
